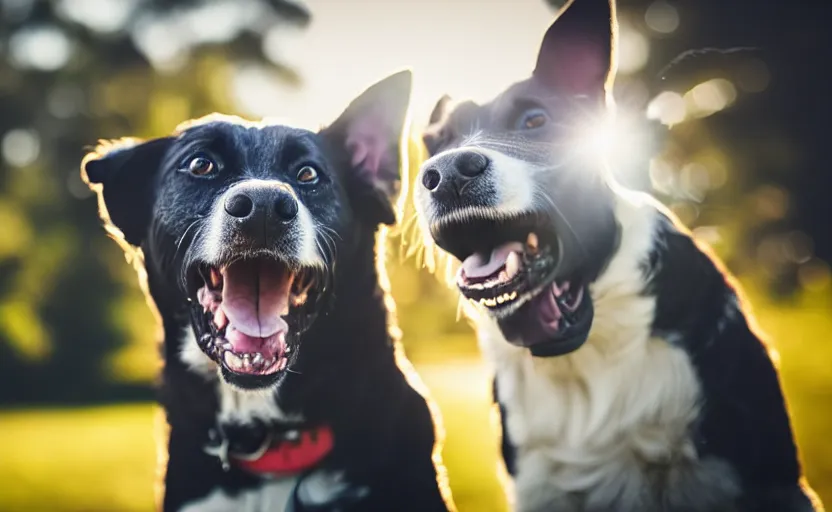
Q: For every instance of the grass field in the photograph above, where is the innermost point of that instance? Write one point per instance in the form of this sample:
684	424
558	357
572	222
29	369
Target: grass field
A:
46	463
102	458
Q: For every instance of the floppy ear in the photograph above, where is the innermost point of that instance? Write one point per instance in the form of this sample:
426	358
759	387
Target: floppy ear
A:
123	173
577	52
370	131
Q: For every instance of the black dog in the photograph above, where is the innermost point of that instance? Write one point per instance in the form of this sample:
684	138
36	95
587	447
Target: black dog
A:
281	385
628	375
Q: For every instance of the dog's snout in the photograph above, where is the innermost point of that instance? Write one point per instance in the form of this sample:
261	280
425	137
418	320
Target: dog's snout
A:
451	171
239	205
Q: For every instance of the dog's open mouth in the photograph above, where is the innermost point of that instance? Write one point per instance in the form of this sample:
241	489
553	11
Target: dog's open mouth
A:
511	267
240	315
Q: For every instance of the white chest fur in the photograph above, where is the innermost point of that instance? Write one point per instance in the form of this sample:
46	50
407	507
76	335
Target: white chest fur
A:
271	497
591	427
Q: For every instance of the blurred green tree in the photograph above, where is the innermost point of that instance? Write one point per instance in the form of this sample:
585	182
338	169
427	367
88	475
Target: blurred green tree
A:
72	71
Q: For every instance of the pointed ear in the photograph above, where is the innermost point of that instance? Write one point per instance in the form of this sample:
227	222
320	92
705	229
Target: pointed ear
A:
432	135
440	109
123	173
370	132
577	52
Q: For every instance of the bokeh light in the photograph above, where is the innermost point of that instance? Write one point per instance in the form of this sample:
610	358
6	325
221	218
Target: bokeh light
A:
45	47
661	17
20	147
720	145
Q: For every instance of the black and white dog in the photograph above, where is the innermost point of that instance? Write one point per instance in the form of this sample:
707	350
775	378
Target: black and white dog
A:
628	375
281	385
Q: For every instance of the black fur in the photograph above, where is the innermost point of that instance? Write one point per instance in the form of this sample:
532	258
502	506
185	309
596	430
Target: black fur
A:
744	418
343	373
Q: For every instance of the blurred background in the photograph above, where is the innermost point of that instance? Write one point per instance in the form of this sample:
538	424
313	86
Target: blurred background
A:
738	145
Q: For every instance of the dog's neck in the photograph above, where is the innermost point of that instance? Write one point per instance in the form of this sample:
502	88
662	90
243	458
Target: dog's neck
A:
627	395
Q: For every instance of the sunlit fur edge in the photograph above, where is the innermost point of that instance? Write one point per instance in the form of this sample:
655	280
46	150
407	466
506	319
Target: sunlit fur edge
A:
412	377
134	257
746	308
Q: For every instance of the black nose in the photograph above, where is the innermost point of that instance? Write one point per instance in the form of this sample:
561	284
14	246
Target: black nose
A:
431	179
451	171
471	164
239	205
286	207
257	211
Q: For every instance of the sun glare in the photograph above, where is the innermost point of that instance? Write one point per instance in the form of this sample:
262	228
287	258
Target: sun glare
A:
620	143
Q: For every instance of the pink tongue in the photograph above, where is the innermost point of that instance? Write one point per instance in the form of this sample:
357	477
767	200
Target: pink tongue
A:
255	294
476	266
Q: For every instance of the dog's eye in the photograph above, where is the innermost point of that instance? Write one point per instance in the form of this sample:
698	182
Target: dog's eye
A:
532	119
307	175
201	165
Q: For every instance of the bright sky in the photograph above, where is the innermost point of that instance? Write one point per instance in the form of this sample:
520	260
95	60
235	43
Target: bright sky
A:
466	48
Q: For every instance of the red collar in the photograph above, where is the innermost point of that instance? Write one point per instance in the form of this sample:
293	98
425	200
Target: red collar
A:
290	454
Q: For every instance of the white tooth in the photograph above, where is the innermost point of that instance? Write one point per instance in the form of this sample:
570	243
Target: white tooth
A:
258	358
512	264
234	362
512	296
491	303
288	349
503	277
478	286
247	361
501	299
532	243
483	302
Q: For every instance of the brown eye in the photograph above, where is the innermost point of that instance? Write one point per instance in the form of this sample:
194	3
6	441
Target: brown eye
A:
307	174
535	121
200	166
532	119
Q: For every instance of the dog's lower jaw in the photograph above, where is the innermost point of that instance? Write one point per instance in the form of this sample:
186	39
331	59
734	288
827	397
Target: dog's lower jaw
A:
552	344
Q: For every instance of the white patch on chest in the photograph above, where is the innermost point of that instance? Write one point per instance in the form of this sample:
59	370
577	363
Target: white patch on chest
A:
273	496
587	426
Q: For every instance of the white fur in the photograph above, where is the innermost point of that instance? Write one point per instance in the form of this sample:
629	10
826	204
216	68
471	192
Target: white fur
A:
303	229
271	497
242	406
194	358
587	422
318	488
